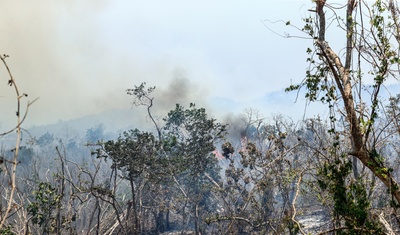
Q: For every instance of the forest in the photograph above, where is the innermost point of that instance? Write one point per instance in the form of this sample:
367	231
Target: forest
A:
193	174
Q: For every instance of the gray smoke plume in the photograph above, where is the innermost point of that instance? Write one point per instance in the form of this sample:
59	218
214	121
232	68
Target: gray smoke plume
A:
180	90
58	52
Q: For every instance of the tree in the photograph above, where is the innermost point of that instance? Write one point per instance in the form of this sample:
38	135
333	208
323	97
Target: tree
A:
45	139
9	193
350	82
338	79
46	200
187	139
260	185
191	136
95	133
133	154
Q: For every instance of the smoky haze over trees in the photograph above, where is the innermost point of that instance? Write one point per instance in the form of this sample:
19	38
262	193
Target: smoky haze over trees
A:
185	172
111	46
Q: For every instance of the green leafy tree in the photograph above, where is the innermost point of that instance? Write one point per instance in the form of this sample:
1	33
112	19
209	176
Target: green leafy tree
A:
190	137
187	138
134	155
43	206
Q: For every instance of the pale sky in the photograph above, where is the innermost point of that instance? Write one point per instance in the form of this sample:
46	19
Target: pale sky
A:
80	56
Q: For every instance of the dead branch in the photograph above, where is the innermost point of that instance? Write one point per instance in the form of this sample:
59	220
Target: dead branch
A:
12	82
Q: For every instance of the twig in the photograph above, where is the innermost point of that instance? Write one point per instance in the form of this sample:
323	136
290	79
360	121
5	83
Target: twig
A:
22	120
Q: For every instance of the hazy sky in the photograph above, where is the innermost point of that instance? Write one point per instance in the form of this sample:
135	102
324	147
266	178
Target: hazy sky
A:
80	56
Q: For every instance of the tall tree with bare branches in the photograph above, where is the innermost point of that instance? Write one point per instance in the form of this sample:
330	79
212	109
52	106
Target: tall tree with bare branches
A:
350	79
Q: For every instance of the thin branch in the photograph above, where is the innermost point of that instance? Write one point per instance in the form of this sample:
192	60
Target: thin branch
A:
294	203
22	120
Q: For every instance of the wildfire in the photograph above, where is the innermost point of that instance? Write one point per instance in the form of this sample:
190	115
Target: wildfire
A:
218	154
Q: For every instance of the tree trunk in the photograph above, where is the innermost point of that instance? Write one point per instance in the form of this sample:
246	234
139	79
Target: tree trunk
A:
134	227
343	81
167	225
160	222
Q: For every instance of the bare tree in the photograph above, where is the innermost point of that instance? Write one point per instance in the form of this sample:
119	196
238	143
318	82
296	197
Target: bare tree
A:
12	171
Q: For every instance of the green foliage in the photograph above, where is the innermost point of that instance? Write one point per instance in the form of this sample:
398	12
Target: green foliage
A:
141	94
7	230
337	80
192	134
180	156
350	200
133	153
45	201
309	26
317	83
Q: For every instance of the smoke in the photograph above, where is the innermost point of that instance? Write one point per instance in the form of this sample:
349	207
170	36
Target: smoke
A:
181	90
236	126
177	89
59	52
42	39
